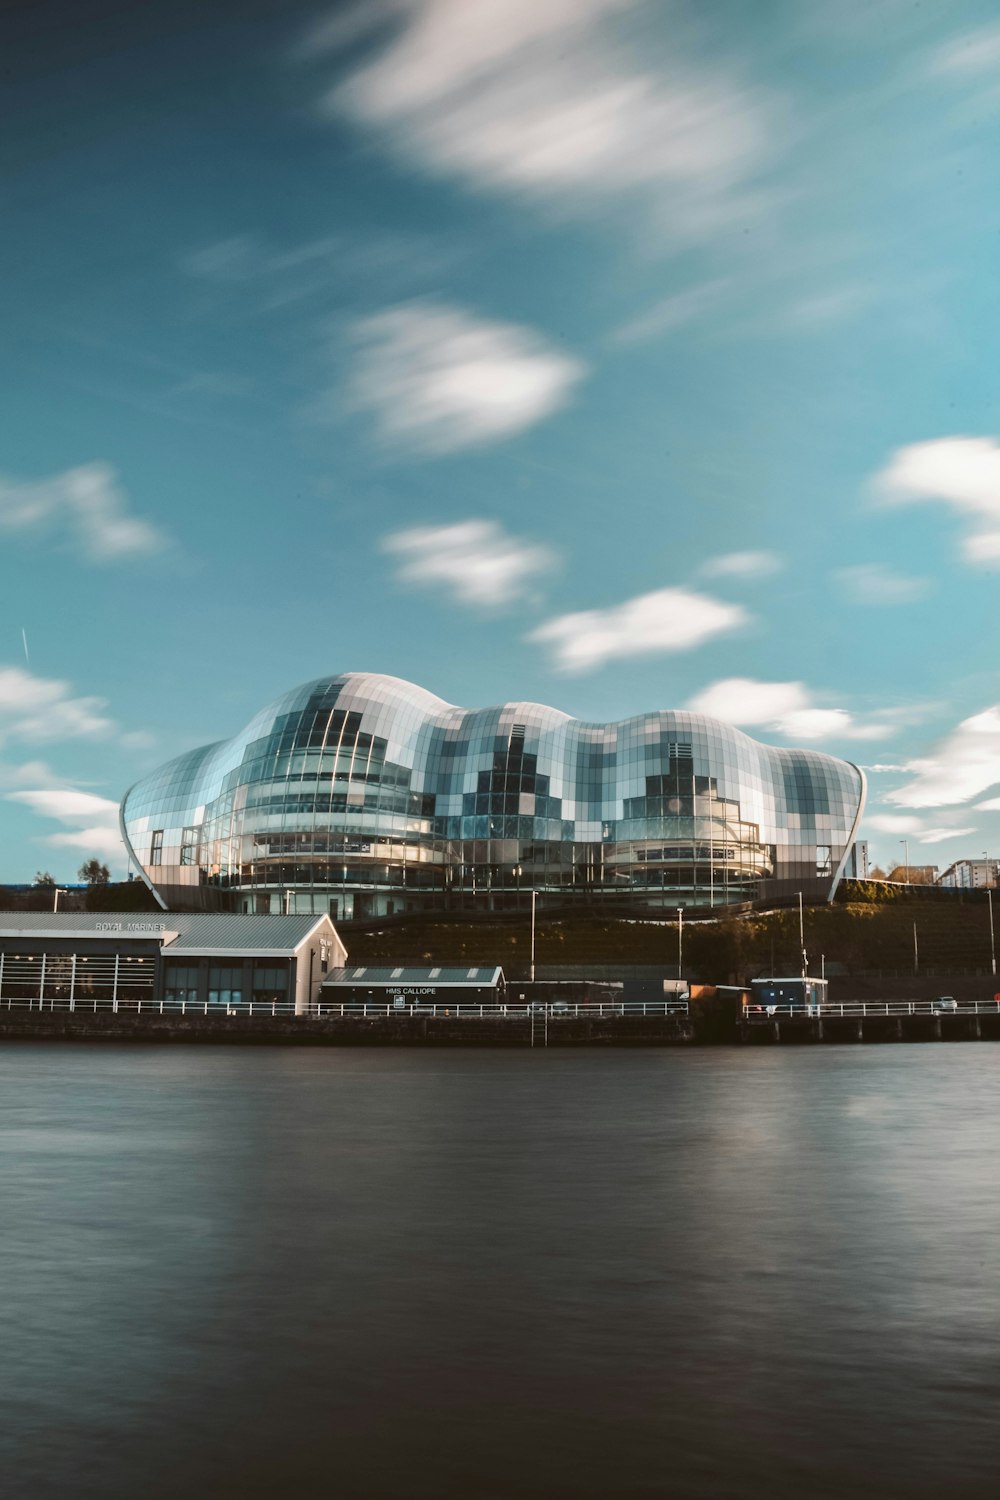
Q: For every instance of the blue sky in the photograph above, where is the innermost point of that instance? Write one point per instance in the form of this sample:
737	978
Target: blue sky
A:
612	354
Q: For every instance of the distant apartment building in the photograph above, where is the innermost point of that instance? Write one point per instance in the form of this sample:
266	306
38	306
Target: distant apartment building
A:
971	874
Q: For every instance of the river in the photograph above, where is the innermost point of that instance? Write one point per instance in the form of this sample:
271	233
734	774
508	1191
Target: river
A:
719	1273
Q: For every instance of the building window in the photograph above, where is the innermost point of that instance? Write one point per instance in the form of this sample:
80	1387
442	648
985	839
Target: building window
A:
225	985
156	847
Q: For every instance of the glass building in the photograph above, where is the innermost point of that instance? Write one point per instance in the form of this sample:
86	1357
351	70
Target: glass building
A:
363	795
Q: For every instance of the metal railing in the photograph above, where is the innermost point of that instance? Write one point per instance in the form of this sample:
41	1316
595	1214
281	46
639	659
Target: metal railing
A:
499	1011
125	1005
324	1010
862	1008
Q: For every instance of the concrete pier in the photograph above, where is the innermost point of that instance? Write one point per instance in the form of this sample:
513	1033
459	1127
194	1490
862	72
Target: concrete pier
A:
947	1027
513	1030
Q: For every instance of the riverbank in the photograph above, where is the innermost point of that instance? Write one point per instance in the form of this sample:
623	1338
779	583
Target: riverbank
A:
697	1030
340	1031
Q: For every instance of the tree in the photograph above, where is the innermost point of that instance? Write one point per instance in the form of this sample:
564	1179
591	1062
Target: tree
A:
44	880
94	873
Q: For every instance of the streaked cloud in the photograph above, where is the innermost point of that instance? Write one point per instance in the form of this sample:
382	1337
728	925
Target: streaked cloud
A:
742	565
971	55
671	312
476	561
438	379
89	502
963	472
939	835
916	830
91	822
893	822
567	102
786	707
876	584
827	308
40	708
336	267
673	619
28	773
961	766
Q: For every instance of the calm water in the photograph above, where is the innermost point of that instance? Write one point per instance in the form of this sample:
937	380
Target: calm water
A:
360	1273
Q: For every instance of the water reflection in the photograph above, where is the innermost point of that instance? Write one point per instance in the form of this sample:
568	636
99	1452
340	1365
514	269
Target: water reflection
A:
404	1274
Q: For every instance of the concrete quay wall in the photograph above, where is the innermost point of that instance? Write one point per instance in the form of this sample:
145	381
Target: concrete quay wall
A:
921	1028
334	1031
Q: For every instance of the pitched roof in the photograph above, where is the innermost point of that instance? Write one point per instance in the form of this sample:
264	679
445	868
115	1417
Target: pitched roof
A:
378	977
180	932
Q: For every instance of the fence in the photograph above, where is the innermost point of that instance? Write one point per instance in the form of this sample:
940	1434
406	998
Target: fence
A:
857	1008
75	978
120	1005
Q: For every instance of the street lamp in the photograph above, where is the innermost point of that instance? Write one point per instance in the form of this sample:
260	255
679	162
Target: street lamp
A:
532	976
989	898
906	856
680	942
59	891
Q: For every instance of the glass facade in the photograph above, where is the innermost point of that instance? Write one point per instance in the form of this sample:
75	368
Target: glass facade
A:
364	795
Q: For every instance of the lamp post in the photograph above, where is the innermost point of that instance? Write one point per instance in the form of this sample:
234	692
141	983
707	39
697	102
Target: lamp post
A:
680	942
906	856
802	940
59	891
989	898
532	975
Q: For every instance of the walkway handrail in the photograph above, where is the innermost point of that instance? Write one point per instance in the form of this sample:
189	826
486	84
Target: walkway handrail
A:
855	1008
324	1009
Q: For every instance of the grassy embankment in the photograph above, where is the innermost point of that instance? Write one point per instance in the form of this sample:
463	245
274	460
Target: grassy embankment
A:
853	936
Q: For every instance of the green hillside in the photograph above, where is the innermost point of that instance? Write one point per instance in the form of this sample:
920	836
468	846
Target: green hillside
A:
852	937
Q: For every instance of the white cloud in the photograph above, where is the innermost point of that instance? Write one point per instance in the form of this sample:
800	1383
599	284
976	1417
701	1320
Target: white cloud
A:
938	835
963	765
40	708
551	99
992	804
973	53
66	803
909	827
894	823
91	821
90	502
476	560
874	584
786	707
439	379
30	771
742	565
963	472
827	308
672	312
668	620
